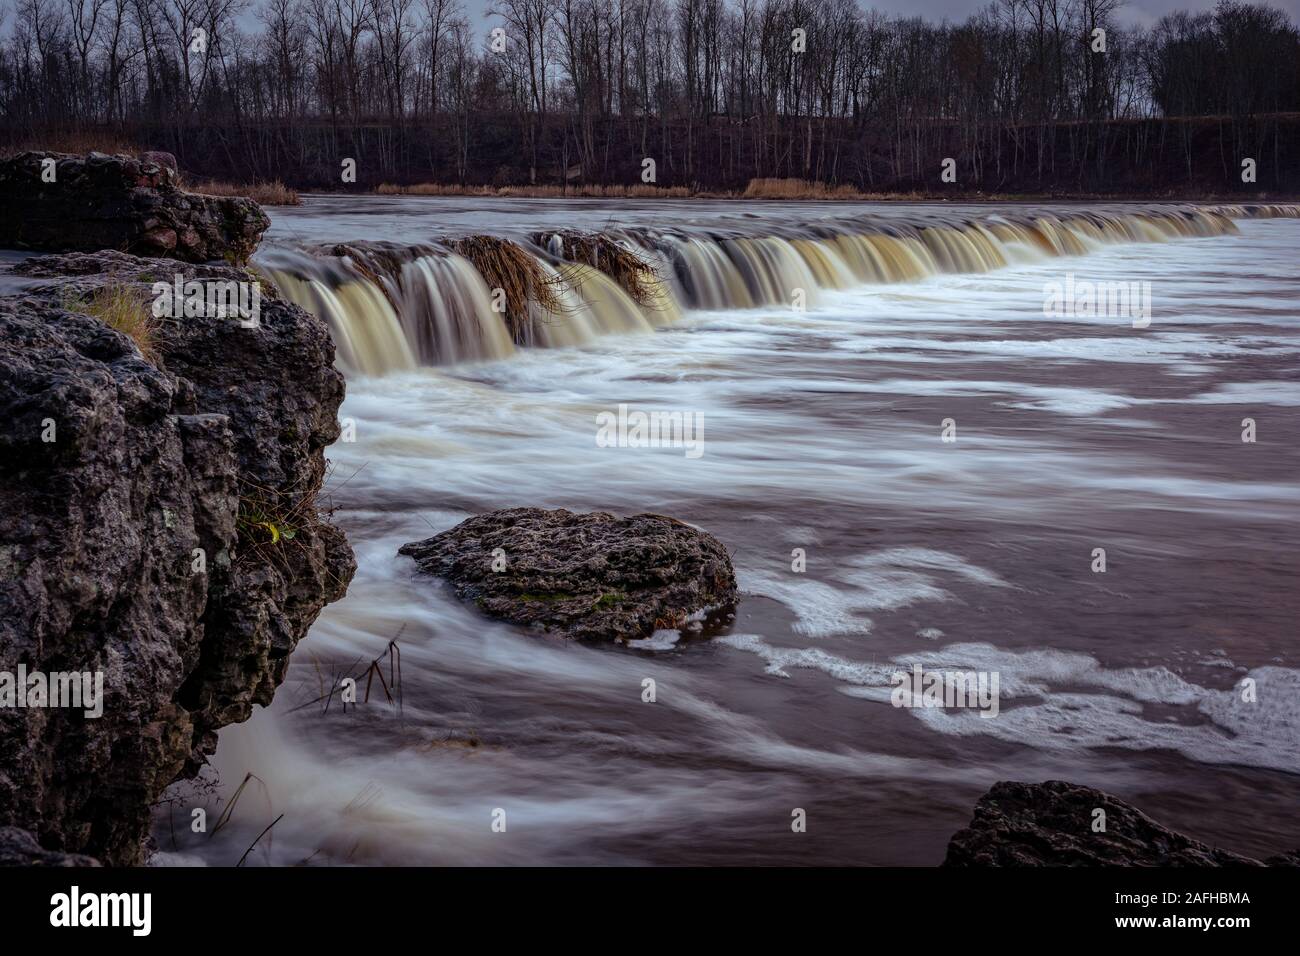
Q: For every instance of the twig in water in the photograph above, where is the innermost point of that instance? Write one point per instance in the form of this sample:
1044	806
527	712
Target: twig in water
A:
254	843
394	654
230	807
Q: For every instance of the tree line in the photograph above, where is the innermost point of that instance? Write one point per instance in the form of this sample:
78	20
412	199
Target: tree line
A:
1023	94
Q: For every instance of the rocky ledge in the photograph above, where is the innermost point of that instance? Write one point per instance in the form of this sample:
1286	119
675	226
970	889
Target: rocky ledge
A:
1051	824
589	576
59	202
161	527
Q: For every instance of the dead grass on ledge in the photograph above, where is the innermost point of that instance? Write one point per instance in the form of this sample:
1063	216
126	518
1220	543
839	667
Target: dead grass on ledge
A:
273	193
635	274
120	307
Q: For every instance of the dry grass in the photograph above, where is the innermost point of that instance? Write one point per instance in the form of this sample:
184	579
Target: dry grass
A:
363	259
120	307
74	141
800	189
508	266
635	274
274	193
636	191
757	189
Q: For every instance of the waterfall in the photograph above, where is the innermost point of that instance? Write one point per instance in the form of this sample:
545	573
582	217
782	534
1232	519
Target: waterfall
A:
394	308
368	335
447	312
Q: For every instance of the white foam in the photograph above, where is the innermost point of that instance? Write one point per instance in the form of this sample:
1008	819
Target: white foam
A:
1284	394
1217	726
878	581
660	640
821	609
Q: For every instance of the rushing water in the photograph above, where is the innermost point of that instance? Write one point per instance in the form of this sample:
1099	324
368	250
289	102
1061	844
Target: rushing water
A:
822	432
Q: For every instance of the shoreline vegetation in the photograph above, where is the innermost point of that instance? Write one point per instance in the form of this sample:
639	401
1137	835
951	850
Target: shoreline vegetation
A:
279	192
273	193
785	190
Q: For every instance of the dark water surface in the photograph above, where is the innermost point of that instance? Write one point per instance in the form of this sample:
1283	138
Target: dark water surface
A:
822	433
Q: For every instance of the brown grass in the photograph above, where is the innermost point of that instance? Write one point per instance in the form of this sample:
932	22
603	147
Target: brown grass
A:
635	274
636	191
120	307
769	188
508	266
361	263
274	193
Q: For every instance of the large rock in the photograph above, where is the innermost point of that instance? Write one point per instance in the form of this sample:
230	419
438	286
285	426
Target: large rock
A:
101	530
1050	824
582	575
120	203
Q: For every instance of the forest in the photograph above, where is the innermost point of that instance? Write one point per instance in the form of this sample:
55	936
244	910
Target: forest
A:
1032	96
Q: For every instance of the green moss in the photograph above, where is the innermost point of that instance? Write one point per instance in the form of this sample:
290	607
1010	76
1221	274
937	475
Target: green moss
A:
256	521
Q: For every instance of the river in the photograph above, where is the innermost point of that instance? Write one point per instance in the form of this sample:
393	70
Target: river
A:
824	436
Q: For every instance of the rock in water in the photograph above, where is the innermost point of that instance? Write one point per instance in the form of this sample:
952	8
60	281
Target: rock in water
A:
1051	824
591	576
59	202
135	502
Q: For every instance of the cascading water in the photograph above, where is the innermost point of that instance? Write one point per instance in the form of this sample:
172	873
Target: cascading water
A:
447	312
393	308
367	332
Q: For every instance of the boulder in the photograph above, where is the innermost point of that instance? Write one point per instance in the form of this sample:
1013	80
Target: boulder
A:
120	203
1050	824
589	576
161	158
137	501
